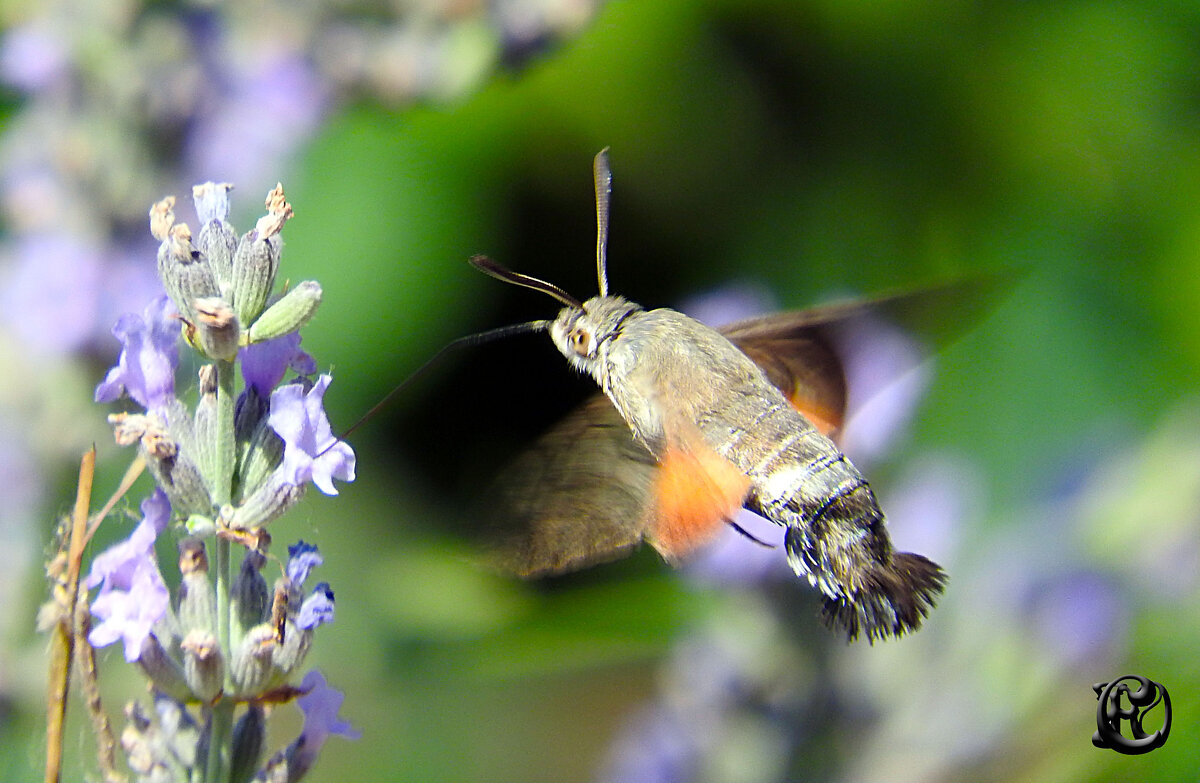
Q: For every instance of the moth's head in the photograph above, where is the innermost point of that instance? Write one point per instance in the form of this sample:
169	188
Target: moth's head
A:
584	334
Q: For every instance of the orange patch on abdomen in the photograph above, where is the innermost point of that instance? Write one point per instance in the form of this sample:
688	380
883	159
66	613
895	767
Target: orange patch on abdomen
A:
696	490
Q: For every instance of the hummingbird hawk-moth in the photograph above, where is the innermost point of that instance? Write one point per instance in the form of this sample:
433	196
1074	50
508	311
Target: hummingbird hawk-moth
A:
694	424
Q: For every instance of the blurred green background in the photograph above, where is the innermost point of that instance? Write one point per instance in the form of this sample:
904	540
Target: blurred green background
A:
812	149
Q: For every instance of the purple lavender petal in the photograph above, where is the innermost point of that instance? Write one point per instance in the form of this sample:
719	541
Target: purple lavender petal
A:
130	614
212	202
149	354
116	566
311	452
263	364
317	608
302	559
133	596
320	706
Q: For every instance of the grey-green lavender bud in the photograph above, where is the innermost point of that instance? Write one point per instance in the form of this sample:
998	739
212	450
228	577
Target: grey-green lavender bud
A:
185	272
204	427
217	330
217	239
197	610
252	410
261	455
250	599
203	665
252	668
162	436
180	732
274	497
249	736
256	259
164	671
296	644
292	311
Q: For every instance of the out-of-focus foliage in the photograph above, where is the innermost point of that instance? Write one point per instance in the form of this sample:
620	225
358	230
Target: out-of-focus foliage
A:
810	149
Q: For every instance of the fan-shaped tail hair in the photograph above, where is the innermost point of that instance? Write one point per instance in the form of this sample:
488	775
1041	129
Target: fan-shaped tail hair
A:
892	598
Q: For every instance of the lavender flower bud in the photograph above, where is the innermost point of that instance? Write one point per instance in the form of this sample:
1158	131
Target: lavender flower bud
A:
290	654
252	669
185	272
180	733
197	611
272	499
217	240
164	447
217	329
256	259
287	315
249	736
250	598
164	671
203	665
204	426
252	409
139	741
260	457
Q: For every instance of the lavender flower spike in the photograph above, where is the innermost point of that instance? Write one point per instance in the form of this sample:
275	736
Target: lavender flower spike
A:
149	355
311	452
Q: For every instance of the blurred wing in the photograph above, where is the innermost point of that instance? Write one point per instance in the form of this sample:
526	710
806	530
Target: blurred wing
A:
799	361
581	494
802	352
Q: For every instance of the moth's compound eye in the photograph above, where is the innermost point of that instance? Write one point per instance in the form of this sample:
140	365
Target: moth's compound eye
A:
581	341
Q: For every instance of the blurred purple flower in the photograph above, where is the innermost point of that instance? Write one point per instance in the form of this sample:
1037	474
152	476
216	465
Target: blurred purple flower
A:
32	57
51	292
320	706
133	596
302	559
732	558
271	106
655	746
264	364
311	452
729	303
1080	617
933	503
149	355
317	609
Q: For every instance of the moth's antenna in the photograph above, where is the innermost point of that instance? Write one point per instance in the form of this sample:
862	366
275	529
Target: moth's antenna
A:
603	178
467	341
490	267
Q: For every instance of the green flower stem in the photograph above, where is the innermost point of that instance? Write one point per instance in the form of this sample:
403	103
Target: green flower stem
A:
221	737
220	743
